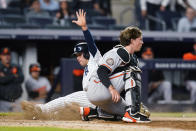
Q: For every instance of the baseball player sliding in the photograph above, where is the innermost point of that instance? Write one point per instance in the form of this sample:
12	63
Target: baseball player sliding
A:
87	56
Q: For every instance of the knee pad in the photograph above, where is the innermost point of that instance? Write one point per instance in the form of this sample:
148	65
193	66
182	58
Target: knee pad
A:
133	92
132	79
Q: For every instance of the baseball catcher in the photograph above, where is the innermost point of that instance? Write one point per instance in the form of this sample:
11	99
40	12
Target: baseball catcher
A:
118	70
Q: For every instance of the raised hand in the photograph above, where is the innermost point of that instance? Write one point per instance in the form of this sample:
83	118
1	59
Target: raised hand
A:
81	19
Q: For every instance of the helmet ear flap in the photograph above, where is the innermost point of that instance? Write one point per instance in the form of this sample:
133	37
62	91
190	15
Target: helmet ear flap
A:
86	55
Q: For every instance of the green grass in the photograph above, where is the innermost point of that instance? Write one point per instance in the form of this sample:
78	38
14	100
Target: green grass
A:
173	114
37	129
9	113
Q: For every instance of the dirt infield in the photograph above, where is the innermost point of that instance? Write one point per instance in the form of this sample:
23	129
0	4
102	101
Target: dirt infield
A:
158	123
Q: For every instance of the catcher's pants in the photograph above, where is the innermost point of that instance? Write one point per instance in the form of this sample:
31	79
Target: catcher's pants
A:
100	96
79	97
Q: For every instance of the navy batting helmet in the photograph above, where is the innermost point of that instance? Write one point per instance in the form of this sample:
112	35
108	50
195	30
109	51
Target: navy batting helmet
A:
82	48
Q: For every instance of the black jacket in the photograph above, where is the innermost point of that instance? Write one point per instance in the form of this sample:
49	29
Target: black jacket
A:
10	82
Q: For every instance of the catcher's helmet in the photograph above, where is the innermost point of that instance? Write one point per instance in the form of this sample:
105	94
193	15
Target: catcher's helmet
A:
82	48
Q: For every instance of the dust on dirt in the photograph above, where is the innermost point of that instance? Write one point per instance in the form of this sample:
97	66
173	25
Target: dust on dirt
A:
71	112
69	118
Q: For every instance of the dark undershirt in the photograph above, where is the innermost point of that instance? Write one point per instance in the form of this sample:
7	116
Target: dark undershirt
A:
92	48
103	75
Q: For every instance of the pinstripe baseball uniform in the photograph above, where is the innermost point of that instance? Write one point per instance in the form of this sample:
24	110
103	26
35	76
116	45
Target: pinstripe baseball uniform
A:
79	97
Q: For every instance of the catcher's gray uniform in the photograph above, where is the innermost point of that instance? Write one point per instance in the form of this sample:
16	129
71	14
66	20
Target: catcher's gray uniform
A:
121	65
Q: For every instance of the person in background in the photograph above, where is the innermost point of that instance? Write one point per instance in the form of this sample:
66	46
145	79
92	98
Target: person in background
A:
158	86
63	13
188	3
105	7
4	4
90	5
49	5
190	79
36	10
189	21
190	55
25	5
11	78
151	7
36	85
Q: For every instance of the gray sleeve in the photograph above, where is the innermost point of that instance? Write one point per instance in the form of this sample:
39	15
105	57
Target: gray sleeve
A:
30	84
48	85
181	25
111	60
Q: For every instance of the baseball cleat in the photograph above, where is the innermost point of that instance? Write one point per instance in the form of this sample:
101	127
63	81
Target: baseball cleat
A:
135	118
106	116
87	112
31	109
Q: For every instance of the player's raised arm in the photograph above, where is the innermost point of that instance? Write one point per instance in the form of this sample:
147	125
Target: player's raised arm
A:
81	21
